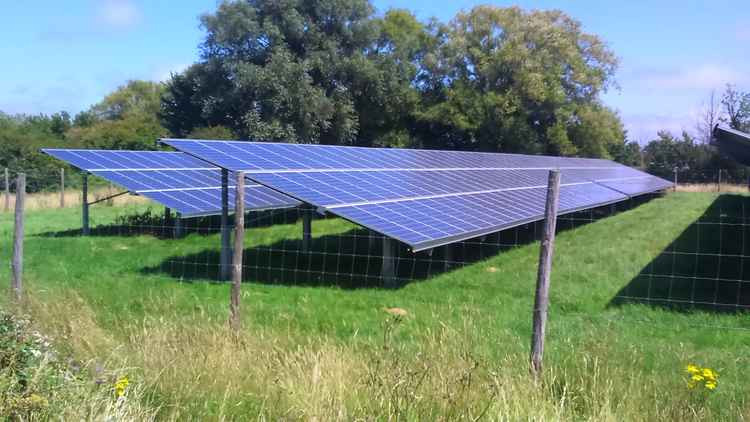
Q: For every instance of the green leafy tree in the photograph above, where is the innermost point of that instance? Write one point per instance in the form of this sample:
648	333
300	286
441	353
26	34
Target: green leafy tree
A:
627	153
212	132
21	138
317	71
135	97
695	161
508	80
737	108
125	119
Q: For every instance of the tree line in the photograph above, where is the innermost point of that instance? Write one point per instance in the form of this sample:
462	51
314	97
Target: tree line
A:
335	72
690	154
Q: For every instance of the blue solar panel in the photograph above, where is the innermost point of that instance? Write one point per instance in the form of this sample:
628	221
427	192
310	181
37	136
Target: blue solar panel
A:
427	223
188	185
424	198
248	156
638	186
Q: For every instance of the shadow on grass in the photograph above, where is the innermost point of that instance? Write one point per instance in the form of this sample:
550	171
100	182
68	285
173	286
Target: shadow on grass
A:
150	223
353	260
349	260
707	267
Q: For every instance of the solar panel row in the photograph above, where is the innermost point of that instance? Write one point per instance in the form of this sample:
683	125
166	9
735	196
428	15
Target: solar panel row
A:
275	157
424	198
188	185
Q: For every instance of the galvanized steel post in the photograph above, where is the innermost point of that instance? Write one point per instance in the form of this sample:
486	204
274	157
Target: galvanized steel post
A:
225	254
85	204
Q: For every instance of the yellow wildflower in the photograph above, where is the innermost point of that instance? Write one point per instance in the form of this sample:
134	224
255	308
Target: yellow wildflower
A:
121	385
701	377
692	369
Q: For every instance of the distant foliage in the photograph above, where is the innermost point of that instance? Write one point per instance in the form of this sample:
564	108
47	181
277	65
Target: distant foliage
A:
503	79
736	108
324	71
21	137
211	132
125	119
695	162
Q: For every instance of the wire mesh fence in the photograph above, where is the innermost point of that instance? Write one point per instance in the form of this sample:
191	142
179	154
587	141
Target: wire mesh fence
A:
706	267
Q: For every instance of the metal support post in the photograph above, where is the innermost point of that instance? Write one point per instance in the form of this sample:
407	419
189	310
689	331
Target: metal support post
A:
225	254
306	229
372	240
62	188
179	226
447	257
85	204
388	270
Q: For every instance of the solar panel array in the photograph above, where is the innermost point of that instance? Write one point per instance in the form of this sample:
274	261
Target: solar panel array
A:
174	179
420	197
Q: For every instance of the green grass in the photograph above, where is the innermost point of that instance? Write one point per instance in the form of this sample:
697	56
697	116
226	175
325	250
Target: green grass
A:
325	350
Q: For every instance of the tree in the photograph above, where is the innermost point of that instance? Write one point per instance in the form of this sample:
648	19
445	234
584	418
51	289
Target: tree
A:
514	81
60	123
710	115
303	71
133	132
628	153
135	97
211	132
21	138
695	161
127	118
737	108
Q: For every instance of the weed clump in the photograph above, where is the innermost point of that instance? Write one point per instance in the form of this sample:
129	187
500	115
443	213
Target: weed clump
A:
37	383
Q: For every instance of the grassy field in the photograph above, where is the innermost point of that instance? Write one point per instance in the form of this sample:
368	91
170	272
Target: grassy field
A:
324	352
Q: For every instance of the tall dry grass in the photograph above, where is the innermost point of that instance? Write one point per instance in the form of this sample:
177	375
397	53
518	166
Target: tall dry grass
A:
51	200
196	368
712	187
37	382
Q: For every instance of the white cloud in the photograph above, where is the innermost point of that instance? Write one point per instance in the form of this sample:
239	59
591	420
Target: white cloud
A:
644	127
120	14
702	77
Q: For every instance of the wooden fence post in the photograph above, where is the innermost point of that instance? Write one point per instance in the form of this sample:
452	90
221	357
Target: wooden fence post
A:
17	263
674	188
239	247
7	191
546	252
62	188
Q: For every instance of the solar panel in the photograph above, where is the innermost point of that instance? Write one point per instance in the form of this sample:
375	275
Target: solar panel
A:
176	180
424	198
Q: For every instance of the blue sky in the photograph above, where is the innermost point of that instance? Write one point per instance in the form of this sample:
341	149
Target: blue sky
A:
68	55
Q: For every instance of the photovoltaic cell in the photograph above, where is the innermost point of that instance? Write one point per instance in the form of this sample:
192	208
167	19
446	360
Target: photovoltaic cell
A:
425	198
176	180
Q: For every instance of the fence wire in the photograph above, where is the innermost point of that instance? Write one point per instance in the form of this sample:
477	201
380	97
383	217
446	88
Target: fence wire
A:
707	267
